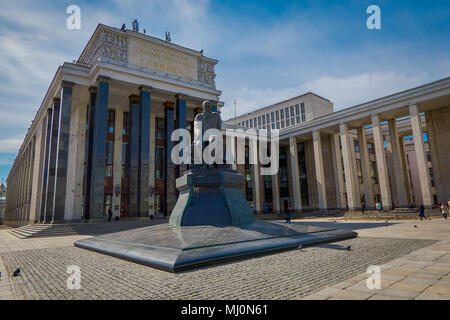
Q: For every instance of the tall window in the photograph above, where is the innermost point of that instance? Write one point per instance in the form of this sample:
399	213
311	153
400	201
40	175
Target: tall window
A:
126	123
259	121
111	120
302	172
248	177
302	109
160	129
159	162
297	110
272	117
124	159
109	158
277	115
282	115
292	111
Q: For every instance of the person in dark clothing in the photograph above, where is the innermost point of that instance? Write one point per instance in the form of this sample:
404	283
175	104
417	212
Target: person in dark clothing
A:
288	217
109	214
421	212
363	208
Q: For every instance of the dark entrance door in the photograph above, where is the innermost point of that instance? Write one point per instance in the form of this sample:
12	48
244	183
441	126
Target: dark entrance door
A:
285	204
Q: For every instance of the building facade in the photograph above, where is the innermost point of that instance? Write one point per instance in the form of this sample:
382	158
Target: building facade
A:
102	136
101	139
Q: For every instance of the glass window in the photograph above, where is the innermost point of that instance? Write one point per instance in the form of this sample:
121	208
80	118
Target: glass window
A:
109	158
126	123
111	120
287	122
272	116
302	107
292	111
297	110
259	120
263	120
160	128
278	125
282	115
159	162
273	126
246	123
287	112
277	115
124	159
282	123
298	119
251	123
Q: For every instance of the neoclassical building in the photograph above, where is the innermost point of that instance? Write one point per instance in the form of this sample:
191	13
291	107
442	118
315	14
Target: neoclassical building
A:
101	139
102	136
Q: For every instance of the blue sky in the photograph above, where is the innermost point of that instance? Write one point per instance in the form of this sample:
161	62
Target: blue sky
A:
267	50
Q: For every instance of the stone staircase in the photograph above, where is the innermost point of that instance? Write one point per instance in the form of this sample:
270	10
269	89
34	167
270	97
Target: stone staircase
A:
55	230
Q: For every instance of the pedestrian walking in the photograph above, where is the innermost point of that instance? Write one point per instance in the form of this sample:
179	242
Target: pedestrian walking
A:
421	211
444	210
378	205
109	214
288	213
363	208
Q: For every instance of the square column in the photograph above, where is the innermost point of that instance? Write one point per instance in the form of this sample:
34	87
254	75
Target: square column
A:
117	161
336	155
256	189
144	150
276	194
50	185
295	174
169	168
134	157
380	154
365	168
320	175
397	159
180	115
98	124
47	127
353	198
59	195
422	163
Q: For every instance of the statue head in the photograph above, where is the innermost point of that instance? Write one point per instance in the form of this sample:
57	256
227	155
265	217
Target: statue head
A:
207	106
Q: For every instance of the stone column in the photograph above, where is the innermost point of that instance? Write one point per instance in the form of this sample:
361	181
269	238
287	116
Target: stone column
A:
338	169
256	189
422	163
152	162
353	198
295	174
380	154
144	150
99	130
276	193
169	168
398	164
134	146
180	115
320	175
117	166
37	171
50	185
365	168
62	152
46	142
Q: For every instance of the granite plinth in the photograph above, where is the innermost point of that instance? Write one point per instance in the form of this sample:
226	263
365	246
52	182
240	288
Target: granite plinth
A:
174	248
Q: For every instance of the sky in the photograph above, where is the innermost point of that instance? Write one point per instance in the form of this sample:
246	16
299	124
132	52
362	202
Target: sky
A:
268	51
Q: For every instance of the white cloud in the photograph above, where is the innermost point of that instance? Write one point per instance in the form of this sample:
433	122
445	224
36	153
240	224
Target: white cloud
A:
11	145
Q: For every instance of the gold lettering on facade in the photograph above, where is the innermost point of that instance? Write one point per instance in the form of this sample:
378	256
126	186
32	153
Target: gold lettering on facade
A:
160	58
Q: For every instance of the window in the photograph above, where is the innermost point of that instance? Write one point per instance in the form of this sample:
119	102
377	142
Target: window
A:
282	123
303	117
302	172
126	123
273	126
287	122
263	120
292	111
282	115
159	162
277	115
287	112
246	123
254	122
298	119
124	159
109	158
160	129
302	107
278	125
248	177
297	110
259	121
272	117
111	120
373	172
283	174
251	123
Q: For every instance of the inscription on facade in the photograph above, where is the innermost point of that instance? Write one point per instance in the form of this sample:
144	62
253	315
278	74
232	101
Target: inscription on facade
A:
160	58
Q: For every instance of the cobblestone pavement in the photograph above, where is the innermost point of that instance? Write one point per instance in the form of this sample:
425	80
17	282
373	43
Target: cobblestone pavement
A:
321	272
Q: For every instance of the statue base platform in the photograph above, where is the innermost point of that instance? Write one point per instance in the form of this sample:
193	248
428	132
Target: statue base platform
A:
211	223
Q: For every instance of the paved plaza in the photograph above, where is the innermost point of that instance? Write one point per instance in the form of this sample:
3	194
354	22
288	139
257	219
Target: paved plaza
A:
415	264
